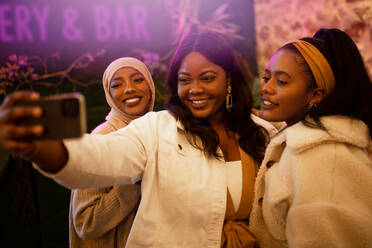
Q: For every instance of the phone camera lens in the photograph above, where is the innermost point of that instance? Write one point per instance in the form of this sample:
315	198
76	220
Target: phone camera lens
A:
70	108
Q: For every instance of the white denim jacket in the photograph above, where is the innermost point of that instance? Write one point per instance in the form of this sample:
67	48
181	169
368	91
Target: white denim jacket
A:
183	191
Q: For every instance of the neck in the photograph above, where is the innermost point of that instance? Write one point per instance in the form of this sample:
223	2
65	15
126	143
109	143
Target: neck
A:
218	121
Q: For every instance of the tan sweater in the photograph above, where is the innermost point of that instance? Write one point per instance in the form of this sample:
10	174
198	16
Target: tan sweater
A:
102	217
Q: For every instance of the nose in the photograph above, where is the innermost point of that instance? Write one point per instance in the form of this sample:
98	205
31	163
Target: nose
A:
129	88
195	87
267	87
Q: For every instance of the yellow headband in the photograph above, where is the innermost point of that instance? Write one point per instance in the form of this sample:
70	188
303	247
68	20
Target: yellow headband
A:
318	64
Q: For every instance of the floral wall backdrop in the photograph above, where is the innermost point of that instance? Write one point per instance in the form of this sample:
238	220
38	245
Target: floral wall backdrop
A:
278	21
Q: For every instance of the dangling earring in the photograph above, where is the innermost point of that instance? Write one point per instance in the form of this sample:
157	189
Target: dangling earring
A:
229	101
312	106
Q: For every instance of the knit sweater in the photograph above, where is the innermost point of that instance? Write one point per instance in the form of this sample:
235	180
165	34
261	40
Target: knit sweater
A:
102	217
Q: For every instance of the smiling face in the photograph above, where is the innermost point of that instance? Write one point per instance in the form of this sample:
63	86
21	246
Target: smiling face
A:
285	89
130	91
202	86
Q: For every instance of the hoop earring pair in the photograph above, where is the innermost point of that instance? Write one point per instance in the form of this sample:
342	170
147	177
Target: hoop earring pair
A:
229	100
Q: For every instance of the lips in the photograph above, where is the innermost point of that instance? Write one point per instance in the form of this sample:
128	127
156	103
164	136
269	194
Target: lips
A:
266	104
131	101
199	103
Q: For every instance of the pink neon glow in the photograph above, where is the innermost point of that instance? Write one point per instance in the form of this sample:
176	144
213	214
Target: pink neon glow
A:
4	23
42	18
30	23
22	20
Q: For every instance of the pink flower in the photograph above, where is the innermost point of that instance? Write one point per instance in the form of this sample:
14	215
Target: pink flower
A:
35	76
90	57
100	52
22	61
12	57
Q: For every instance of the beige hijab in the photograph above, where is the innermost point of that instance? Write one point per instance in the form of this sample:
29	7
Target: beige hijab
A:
117	117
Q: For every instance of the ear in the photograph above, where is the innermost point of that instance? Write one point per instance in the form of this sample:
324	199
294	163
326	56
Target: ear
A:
316	96
228	80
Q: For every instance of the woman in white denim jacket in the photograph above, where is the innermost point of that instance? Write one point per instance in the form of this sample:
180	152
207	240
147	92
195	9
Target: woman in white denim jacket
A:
314	188
197	160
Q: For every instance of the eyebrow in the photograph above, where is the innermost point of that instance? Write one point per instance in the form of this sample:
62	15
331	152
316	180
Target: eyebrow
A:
131	76
278	73
135	74
117	78
189	74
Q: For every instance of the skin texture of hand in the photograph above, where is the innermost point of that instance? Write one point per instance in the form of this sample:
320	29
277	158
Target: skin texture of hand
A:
51	156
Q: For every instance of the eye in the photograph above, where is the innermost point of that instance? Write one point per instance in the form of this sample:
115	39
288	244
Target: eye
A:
115	85
281	82
265	79
183	80
139	80
208	78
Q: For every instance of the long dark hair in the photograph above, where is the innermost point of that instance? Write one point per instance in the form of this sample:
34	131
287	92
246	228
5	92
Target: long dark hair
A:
352	95
217	49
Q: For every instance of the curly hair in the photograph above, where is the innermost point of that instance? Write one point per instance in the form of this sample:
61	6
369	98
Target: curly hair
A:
217	49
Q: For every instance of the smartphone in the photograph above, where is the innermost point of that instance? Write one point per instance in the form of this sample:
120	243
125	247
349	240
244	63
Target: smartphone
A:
64	115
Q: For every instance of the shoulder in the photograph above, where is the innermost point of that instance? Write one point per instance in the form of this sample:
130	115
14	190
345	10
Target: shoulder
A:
154	121
338	130
104	128
163	116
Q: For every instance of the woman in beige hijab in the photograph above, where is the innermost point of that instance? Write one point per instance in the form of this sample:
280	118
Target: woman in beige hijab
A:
103	217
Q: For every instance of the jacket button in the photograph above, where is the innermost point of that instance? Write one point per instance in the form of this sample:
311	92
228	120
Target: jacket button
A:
260	201
270	163
179	146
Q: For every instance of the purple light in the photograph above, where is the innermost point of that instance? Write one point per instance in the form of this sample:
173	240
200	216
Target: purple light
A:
139	19
20	23
41	18
22	20
102	28
29	23
70	30
4	23
114	26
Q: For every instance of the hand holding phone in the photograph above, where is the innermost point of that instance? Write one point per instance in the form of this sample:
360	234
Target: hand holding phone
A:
64	115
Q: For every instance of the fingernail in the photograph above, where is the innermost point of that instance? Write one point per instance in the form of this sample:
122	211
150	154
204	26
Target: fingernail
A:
35	95
38	130
36	112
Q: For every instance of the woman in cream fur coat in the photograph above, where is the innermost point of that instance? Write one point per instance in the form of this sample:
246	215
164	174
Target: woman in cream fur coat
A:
314	187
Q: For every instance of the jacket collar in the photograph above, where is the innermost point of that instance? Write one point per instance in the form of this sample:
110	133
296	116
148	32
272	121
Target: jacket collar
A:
340	129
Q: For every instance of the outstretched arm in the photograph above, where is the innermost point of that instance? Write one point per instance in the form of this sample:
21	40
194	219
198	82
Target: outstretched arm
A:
51	156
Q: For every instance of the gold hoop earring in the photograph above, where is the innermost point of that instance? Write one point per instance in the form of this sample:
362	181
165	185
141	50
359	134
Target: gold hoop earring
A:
229	101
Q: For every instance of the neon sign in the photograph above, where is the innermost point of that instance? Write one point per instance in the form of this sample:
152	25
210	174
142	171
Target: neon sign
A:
36	23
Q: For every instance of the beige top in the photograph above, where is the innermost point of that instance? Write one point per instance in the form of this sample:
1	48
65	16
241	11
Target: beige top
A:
103	217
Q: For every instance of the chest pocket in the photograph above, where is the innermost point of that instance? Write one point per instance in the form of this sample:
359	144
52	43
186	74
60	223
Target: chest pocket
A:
180	163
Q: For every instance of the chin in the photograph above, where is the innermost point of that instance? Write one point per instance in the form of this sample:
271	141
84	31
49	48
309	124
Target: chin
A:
200	115
268	117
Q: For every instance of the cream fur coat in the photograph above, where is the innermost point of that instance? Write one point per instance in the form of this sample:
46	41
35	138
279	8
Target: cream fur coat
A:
314	189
